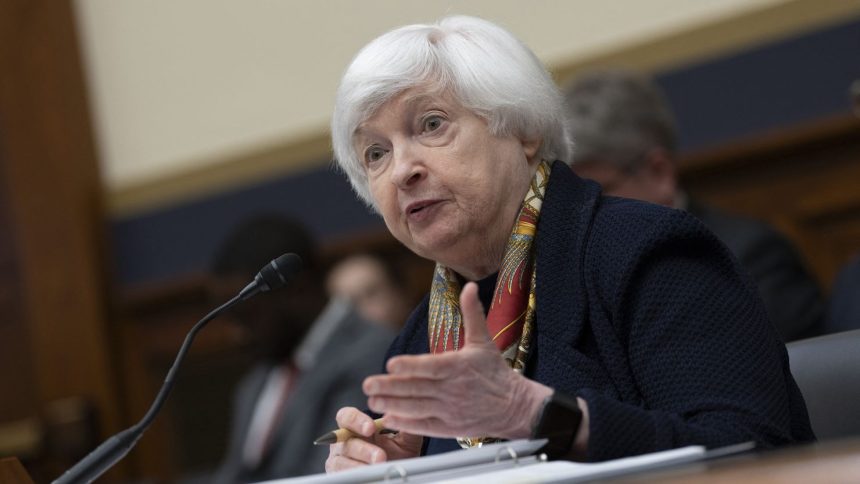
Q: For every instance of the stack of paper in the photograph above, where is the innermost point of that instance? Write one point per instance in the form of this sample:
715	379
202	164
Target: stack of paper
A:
499	463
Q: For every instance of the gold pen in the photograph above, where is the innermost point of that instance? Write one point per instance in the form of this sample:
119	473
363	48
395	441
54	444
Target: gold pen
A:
342	435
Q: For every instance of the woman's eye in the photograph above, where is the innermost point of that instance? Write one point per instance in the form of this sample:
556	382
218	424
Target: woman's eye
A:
373	154
432	123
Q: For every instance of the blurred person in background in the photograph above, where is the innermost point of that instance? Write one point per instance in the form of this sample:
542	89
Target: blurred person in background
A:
844	310
374	286
312	354
625	139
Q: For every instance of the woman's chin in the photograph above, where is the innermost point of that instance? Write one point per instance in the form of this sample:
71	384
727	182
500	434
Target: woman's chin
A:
437	249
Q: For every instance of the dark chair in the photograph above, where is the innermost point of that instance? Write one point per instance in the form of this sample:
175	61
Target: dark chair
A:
827	370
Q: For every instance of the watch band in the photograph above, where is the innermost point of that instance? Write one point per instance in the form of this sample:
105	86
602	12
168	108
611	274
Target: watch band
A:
558	422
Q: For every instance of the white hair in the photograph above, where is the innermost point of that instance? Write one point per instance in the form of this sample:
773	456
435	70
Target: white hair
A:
487	70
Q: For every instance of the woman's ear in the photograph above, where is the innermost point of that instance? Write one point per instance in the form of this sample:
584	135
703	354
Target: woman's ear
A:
661	176
530	149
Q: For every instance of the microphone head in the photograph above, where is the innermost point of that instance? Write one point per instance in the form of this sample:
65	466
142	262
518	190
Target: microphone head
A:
277	273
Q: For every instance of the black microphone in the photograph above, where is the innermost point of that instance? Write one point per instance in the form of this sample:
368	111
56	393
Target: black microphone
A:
274	275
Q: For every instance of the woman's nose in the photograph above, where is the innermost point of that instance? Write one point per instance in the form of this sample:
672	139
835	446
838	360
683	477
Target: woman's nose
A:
409	166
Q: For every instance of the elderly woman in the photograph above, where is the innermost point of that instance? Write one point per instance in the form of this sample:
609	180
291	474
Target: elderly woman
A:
612	328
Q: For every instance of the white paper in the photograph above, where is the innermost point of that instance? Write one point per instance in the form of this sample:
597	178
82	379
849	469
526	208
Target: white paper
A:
563	471
419	465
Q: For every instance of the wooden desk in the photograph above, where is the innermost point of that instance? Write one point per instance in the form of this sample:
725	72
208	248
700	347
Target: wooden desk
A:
12	472
832	462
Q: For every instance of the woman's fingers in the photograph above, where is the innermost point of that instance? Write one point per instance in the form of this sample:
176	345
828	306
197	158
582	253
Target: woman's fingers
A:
362	451
474	322
355	451
413	407
401	386
431	427
337	463
356	421
424	366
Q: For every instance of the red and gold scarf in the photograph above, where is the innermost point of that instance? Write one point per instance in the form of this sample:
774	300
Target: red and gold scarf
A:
512	311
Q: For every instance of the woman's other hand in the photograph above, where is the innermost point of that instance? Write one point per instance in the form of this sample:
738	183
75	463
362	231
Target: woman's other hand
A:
371	447
472	392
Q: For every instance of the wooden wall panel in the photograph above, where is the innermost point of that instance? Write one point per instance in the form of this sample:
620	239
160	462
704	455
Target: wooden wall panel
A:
19	404
53	232
805	181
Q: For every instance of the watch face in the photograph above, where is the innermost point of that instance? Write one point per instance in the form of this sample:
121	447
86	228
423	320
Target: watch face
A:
559	423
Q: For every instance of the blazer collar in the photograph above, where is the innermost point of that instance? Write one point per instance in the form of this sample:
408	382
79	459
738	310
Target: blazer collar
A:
563	230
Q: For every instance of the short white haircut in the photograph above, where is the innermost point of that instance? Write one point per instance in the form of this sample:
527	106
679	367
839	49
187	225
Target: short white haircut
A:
483	66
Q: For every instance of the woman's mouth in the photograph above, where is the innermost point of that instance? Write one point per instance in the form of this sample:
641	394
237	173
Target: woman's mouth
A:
421	210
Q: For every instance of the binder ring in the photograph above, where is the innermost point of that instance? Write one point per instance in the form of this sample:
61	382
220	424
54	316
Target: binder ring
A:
399	469
511	452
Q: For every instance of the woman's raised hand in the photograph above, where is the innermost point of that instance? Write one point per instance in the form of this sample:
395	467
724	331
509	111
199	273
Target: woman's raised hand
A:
472	392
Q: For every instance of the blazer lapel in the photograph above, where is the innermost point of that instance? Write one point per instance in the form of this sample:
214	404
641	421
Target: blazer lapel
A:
563	231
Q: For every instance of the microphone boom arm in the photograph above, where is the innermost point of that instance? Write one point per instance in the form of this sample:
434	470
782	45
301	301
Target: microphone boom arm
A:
115	448
273	275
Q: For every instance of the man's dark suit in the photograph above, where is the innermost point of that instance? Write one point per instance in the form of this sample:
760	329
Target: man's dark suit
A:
793	300
844	313
354	351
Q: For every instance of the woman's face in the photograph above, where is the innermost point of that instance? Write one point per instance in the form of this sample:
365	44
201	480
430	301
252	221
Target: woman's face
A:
447	188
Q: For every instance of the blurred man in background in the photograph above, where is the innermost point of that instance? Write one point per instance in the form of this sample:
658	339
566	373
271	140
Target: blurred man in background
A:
625	139
844	310
374	286
312	356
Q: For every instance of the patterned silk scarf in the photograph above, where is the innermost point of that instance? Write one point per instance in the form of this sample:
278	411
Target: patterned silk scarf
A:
512	311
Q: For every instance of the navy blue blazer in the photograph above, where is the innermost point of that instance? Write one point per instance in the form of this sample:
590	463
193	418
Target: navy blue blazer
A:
644	314
791	296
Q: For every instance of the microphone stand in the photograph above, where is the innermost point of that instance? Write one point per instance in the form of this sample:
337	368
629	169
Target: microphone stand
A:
115	448
273	275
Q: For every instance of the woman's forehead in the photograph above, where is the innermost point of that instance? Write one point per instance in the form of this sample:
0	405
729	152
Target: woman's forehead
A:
407	102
